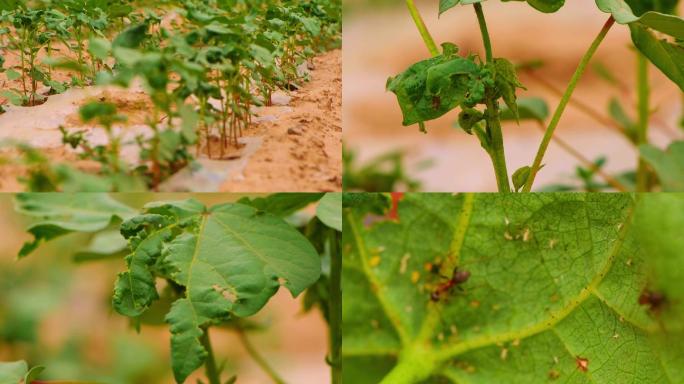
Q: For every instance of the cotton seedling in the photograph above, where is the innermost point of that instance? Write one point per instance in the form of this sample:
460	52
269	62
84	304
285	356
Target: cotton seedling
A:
476	85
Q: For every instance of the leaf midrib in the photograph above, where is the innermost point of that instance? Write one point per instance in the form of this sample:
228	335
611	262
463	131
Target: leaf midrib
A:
553	318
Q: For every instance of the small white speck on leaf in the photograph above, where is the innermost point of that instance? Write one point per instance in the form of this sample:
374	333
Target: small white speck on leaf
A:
404	263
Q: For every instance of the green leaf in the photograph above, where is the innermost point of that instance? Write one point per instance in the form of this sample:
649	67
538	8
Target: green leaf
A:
553	278
61	213
13	372
433	87
14	97
230	259
547	6
33	373
131	37
659	222
376	203
668	165
103	245
667	56
520	177
620	116
12	74
531	108
329	210
506	82
99	47
282	204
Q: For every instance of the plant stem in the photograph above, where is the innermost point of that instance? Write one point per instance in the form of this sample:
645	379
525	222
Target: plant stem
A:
335	308
587	163
496	151
258	358
213	375
564	102
420	24
643	96
483	30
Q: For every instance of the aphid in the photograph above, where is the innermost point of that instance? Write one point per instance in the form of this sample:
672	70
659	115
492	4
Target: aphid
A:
582	363
458	277
654	300
436	102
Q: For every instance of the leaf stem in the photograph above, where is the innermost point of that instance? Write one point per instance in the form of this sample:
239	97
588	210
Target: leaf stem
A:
587	163
564	102
335	307
496	144
643	96
420	24
213	375
483	30
258	358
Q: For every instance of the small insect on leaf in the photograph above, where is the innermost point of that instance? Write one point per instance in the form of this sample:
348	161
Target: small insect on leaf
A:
654	300
582	363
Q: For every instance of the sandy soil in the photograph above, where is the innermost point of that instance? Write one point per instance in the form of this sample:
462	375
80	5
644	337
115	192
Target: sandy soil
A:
301	141
383	42
302	150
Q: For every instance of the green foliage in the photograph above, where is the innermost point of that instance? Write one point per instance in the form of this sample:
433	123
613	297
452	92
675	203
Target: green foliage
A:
555	279
18	371
547	6
59	214
386	172
218	263
235	55
282	204
529	108
668	165
329	210
433	87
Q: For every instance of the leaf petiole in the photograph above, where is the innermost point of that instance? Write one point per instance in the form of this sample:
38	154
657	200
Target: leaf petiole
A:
581	68
420	24
258	358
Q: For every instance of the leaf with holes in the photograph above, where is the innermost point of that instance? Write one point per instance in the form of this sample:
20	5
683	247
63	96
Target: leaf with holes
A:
503	288
229	259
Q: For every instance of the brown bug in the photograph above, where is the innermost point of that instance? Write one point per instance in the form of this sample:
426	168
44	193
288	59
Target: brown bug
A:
436	102
582	363
458	277
654	300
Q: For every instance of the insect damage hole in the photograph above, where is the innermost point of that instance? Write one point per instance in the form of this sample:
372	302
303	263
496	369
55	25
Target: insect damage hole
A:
225	292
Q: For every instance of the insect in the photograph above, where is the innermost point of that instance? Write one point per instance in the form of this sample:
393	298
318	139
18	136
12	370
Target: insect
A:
582	363
654	300
458	277
436	102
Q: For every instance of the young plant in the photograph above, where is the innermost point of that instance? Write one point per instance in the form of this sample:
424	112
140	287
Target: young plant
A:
512	288
177	264
26	32
433	87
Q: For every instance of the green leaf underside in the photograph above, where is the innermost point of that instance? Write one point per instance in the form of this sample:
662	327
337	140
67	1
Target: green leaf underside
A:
230	258
61	213
553	277
329	210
